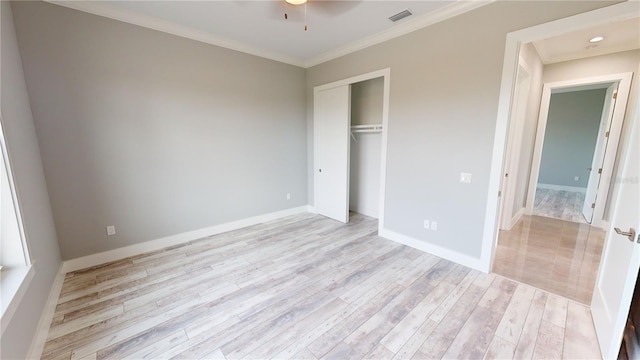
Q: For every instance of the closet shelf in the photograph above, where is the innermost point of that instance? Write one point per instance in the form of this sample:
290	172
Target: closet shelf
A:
366	128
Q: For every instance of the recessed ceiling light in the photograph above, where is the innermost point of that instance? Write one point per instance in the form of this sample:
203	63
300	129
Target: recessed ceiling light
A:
596	39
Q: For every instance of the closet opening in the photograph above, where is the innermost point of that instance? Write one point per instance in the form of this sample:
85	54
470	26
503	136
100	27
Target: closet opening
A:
350	120
366	146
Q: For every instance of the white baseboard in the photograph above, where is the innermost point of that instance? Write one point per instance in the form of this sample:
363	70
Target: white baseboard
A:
562	188
518	216
37	345
432	249
153	245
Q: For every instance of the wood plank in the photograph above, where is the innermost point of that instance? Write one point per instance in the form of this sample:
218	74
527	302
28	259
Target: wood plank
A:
555	310
476	334
512	323
306	287
499	348
336	334
549	342
407	327
529	335
411	346
580	341
445	333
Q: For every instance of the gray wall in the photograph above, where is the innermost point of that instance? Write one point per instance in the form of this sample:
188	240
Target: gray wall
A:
366	102
570	137
31	189
156	134
444	97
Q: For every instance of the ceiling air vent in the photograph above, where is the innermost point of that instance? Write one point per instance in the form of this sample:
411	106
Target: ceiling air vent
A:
401	15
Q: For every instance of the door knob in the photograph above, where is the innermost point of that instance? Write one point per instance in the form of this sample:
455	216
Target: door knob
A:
631	234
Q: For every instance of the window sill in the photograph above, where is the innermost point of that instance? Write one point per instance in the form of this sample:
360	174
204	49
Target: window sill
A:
13	285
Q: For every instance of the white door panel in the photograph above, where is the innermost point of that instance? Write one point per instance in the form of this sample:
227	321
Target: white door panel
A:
621	257
598	154
332	113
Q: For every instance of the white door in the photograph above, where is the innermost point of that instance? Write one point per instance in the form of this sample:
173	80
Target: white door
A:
332	119
518	113
595	171
621	257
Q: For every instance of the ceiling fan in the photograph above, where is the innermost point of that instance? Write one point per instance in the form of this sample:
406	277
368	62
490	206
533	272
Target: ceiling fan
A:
329	7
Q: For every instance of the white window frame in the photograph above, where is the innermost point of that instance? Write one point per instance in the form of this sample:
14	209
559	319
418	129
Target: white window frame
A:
14	279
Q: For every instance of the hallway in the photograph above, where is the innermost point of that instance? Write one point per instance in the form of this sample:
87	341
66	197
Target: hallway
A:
554	255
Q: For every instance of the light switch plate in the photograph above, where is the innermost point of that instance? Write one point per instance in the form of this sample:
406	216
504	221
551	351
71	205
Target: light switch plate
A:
465	178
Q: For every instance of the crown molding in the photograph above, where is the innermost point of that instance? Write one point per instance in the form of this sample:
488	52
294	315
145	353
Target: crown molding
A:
422	21
101	9
438	15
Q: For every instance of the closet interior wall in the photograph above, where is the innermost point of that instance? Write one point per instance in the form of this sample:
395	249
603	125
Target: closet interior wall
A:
366	146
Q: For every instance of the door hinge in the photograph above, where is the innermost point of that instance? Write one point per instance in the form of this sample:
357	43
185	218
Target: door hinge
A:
593	206
606	134
600	171
615	95
499	193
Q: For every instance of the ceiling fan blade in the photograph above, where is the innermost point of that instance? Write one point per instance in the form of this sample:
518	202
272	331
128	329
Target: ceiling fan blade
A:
332	7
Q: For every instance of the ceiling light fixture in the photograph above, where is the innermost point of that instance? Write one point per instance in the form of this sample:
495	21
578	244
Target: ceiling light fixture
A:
296	2
596	39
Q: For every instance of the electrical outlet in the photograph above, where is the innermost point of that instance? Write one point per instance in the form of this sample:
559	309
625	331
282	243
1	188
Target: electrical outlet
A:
577	178
426	224
111	230
288	196
434	225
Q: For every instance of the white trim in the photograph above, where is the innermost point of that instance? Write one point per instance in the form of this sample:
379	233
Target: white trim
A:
562	188
436	250
514	145
131	17
422	21
386	75
13	286
37	345
609	14
153	245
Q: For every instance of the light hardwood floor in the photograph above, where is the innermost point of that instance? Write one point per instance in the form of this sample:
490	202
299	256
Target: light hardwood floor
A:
307	287
559	204
559	256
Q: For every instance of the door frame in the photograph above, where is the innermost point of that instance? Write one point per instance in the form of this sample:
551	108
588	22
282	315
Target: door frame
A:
619	109
386	75
598	153
613	13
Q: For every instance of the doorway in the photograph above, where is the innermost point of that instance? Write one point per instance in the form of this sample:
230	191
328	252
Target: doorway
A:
350	137
579	128
616	13
575	118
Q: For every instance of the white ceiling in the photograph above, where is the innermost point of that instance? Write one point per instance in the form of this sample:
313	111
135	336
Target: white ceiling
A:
621	36
335	28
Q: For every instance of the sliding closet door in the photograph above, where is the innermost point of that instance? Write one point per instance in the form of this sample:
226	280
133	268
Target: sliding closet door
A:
332	111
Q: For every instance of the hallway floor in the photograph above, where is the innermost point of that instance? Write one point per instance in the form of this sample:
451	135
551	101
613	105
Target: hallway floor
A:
559	256
559	204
